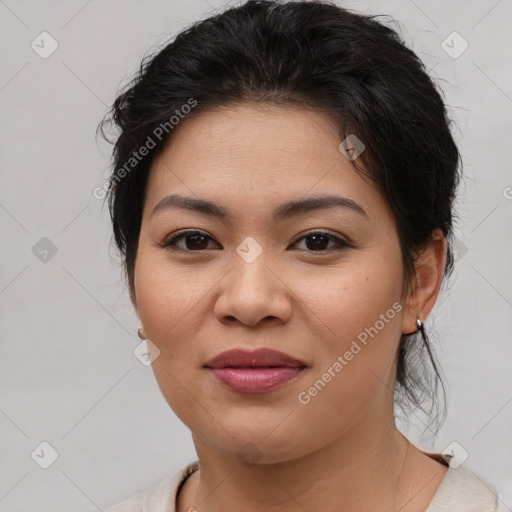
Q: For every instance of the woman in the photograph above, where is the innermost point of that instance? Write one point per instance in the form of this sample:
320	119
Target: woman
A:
282	198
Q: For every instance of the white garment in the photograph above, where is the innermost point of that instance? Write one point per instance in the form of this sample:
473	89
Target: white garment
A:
460	491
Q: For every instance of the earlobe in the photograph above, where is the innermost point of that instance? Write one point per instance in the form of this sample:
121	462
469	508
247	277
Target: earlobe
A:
429	265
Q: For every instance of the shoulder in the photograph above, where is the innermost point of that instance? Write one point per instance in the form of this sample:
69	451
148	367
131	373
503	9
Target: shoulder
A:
161	496
464	491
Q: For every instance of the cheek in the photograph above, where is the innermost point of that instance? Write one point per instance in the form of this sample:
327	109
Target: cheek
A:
359	301
171	306
168	296
354	374
166	306
358	314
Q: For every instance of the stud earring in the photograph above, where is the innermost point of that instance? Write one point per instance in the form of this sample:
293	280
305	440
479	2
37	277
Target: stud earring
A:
419	325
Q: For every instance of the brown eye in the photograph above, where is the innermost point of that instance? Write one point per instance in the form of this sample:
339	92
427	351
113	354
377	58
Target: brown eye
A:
191	241
319	241
194	241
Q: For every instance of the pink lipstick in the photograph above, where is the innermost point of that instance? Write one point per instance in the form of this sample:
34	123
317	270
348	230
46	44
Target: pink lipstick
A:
257	371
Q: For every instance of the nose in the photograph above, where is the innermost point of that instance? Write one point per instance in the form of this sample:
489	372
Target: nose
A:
252	292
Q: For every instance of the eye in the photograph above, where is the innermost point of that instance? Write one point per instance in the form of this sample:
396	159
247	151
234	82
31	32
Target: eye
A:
192	241
318	241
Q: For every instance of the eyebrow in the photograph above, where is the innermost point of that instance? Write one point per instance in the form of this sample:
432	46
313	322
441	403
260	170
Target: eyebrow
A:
284	211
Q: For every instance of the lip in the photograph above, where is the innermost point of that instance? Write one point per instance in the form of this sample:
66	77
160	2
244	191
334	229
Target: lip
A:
252	358
257	371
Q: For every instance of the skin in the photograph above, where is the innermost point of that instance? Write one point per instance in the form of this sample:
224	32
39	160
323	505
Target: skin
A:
342	446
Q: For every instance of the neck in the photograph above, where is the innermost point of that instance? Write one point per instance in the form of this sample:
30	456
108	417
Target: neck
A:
368	468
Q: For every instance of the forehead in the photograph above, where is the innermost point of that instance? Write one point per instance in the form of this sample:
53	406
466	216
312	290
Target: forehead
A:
256	155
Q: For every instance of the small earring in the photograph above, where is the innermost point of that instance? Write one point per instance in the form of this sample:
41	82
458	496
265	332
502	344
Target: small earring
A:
139	332
419	325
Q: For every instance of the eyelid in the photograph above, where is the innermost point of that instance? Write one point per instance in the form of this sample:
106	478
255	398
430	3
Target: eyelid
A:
170	241
173	237
340	241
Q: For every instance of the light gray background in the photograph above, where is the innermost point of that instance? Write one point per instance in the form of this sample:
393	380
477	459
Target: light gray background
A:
68	375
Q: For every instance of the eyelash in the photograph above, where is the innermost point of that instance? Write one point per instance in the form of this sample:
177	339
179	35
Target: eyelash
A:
170	243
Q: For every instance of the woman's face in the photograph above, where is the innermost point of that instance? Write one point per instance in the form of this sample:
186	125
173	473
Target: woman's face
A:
258	277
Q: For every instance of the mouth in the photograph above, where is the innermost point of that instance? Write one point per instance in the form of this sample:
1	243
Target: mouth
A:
258	371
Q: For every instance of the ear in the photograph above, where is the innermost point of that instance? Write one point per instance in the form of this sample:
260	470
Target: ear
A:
425	286
133	300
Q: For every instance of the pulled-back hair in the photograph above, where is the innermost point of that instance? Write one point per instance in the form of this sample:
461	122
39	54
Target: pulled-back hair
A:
306	54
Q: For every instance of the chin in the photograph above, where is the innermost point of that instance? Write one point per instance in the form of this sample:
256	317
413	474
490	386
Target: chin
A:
257	444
